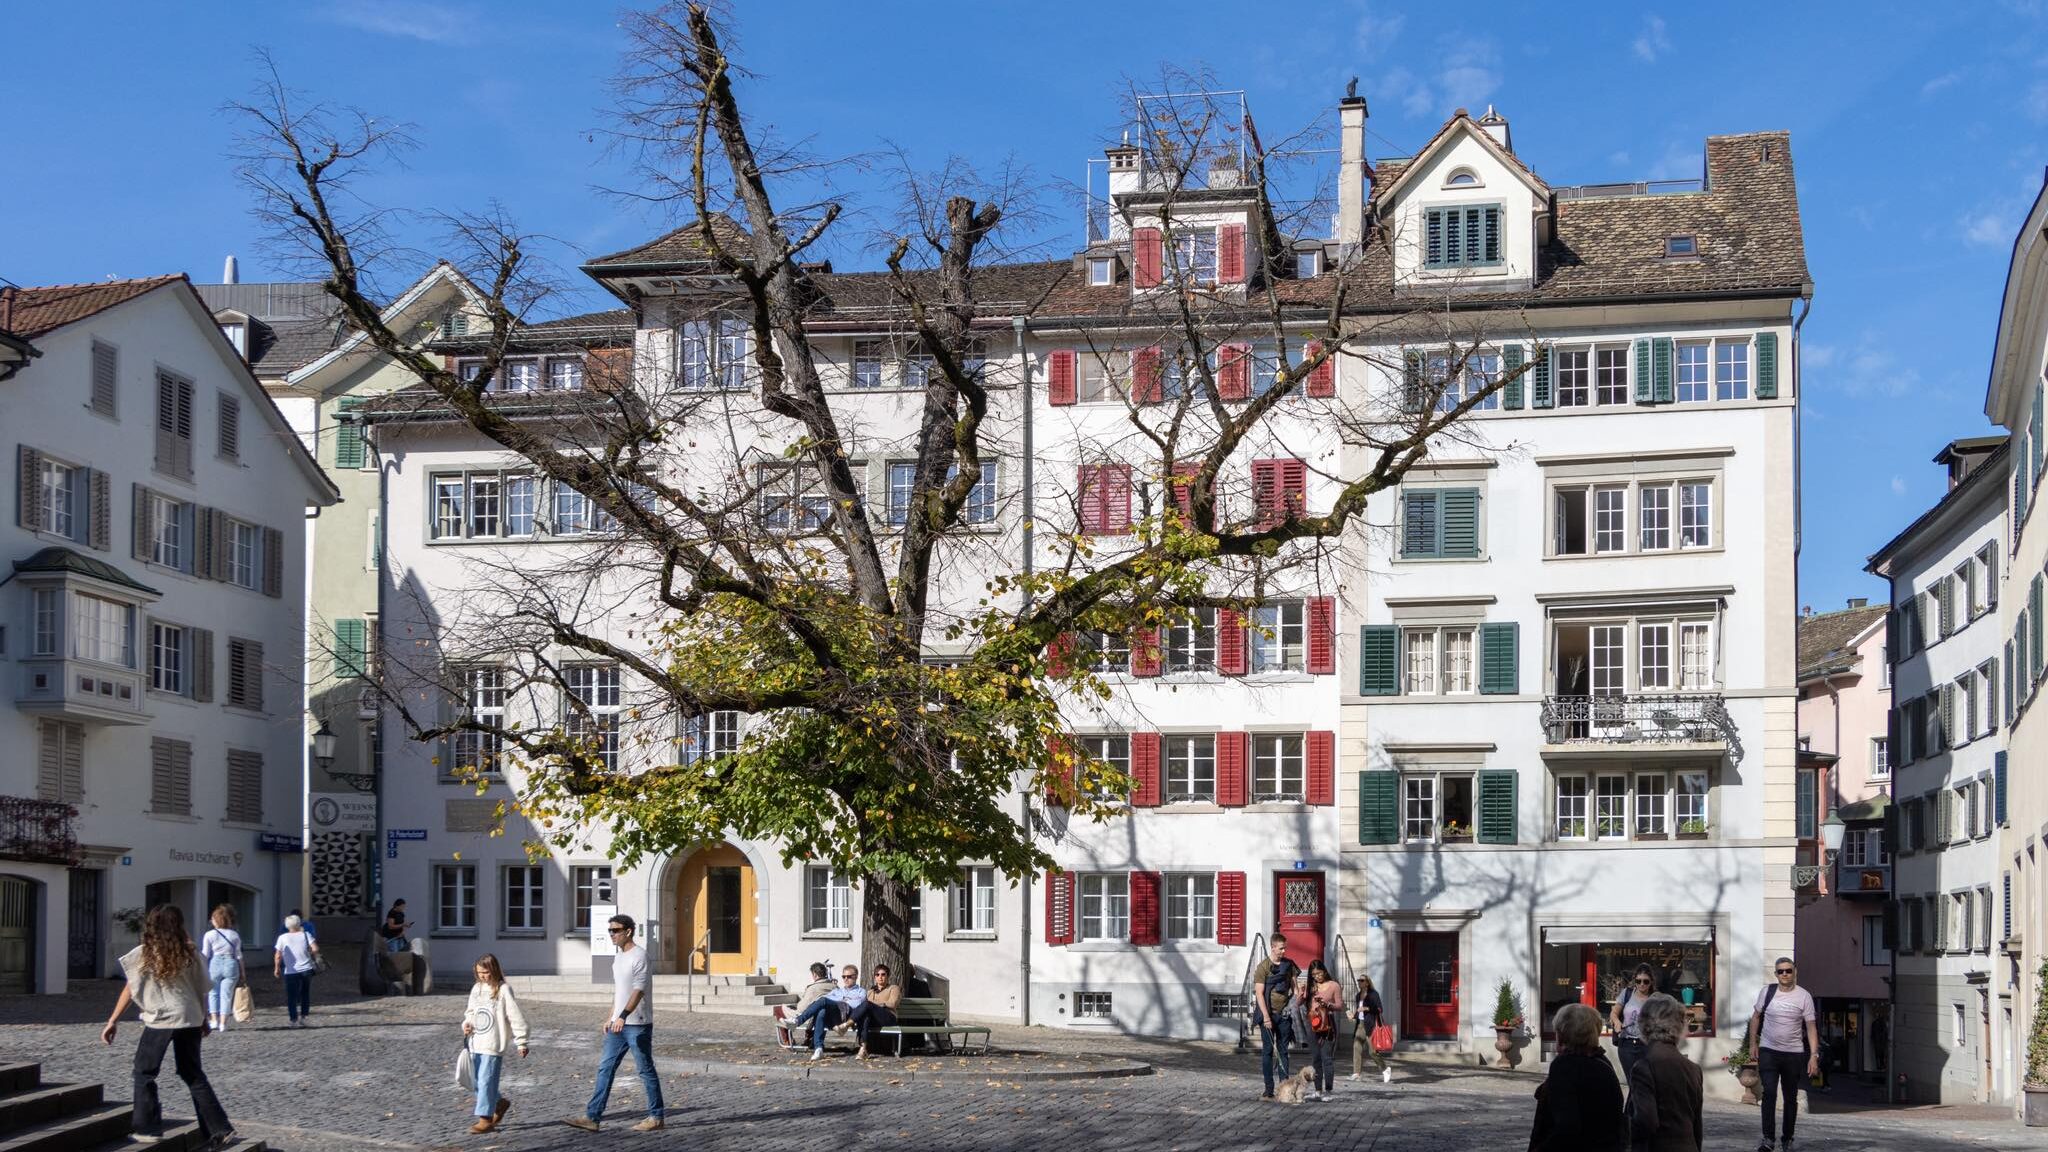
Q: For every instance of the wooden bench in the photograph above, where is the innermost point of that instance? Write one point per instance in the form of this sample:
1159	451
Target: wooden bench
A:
926	1016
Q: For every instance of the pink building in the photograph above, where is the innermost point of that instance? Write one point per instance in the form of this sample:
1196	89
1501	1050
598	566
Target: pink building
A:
1840	938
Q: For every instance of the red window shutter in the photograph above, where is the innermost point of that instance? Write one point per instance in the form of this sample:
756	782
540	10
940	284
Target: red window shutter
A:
1230	908
1148	381
1145	769
1230	254
1059	377
1322	379
1145	909
1322	767
1058	655
1059	907
1234	371
1116	515
1059	772
1322	635
1088	487
1145	253
1266	491
1293	488
1231	756
1146	657
1183	484
1232	659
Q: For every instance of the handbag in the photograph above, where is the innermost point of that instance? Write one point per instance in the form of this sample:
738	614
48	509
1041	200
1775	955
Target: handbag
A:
1382	1038
465	1069
245	1004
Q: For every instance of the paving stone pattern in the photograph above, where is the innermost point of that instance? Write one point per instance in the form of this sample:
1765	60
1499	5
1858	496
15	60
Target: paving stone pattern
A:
378	1075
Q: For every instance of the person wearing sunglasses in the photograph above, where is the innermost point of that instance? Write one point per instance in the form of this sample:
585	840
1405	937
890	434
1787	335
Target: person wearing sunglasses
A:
631	1027
1624	1019
831	1010
1783	1034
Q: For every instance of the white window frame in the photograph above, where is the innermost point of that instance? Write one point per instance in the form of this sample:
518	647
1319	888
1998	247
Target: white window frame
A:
1279	767
1425	806
463	921
1197	255
971	904
1190	642
708	737
1102	907
1277	640
1695	377
828	902
171	547
1572	809
601	688
1880	758
1732	369
245	555
1187	768
1190	905
590	885
101	630
485	689
1101	272
169	658
522	897
1102	375
58	496
711	354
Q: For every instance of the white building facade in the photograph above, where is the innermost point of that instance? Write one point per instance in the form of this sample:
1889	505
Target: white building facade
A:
152	618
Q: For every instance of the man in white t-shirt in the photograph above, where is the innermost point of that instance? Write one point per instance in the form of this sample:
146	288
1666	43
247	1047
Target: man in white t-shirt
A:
630	1026
1783	1035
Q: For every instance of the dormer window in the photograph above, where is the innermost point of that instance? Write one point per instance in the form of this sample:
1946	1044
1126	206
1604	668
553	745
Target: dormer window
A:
1101	272
1681	247
1194	255
237	333
1462	178
1308	264
1461	236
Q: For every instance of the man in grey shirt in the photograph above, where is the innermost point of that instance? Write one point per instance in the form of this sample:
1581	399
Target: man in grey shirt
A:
1783	1035
631	1026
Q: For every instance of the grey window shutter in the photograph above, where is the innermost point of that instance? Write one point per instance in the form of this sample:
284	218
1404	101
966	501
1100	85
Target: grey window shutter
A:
1413	397
1460	520
1767	365
1645	385
245	786
1511	366
273	563
165	793
100	530
223	543
1497	807
1378	665
230	426
1944	817
74	762
1540	394
1500	658
1662	354
199	643
1379	807
50	761
28	508
201	542
105	372
143	540
1421	523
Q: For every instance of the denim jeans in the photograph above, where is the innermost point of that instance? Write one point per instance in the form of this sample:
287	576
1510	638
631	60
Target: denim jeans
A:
298	994
148	1118
1791	1068
1325	1060
220	998
821	1015
1629	1051
639	1038
1273	1051
487	1069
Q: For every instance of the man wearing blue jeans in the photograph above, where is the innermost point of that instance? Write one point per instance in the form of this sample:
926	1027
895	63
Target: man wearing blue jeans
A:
631	1027
832	1010
1274	979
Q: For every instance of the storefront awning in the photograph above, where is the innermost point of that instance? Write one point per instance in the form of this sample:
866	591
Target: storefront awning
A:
1628	934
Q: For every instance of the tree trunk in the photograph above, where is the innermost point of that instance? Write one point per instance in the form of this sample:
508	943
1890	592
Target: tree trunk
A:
885	928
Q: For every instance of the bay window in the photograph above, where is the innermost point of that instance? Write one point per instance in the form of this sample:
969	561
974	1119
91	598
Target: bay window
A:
1630	805
102	630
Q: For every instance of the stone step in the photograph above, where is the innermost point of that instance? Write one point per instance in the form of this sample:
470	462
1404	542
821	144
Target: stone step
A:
47	1102
88	1129
20	1077
183	1137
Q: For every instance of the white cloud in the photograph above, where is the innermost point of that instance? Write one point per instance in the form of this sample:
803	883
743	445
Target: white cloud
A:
1817	355
433	23
1470	76
1375	33
1992	227
1680	161
1653	41
1872	370
1945	80
1898	485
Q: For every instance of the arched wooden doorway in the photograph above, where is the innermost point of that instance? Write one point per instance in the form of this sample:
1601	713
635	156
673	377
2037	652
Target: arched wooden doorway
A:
715	905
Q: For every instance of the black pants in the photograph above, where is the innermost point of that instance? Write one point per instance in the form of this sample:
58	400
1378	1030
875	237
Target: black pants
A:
869	1019
149	1059
1790	1067
1629	1050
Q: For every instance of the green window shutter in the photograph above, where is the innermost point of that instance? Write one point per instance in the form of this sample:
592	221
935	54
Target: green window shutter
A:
1645	393
1767	365
1379	808
1511	363
1460	522
1378	668
1413	398
1540	395
1500	659
349	648
1421	523
1662	354
2033	633
1497	807
348	438
2034	429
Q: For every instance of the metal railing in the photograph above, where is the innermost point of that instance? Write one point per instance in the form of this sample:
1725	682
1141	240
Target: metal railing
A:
37	830
1630	188
1669	718
1244	1019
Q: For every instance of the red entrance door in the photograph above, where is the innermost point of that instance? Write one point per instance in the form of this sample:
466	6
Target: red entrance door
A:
1298	912
1429	985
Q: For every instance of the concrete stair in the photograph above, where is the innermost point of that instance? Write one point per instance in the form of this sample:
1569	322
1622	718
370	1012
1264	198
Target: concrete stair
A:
39	1117
751	995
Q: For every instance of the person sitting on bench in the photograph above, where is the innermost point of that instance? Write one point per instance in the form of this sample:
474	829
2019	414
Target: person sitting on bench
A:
877	1012
830	1009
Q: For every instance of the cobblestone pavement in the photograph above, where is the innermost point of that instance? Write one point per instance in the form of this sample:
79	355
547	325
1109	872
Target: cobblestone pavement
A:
377	1075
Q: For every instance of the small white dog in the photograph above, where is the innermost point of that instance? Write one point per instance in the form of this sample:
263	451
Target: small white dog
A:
1292	1089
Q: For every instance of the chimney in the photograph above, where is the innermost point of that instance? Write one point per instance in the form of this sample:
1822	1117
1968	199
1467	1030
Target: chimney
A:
1126	168
1496	126
231	272
1859	601
1351	113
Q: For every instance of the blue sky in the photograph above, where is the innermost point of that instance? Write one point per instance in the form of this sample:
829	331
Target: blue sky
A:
1919	133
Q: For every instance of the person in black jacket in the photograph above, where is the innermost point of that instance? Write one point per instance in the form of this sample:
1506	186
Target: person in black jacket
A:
1664	1089
1578	1108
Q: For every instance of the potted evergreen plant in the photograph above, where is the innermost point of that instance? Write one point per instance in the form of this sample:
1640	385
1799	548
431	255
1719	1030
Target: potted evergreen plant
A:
2036	1114
1507	1023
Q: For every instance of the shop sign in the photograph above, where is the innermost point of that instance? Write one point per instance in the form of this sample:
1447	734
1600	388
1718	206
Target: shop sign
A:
345	812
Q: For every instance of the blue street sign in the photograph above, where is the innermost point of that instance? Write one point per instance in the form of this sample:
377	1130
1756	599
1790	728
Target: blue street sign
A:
279	842
391	853
405	834
1373	922
127	860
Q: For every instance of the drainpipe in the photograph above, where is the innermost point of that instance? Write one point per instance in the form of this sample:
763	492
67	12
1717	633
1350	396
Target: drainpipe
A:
1020	325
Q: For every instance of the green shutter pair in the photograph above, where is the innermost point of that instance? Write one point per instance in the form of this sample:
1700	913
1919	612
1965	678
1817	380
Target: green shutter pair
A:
1440	523
1654	360
1379	659
1379	807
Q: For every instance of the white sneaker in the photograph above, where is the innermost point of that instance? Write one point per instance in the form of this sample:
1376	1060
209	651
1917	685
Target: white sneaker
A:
1354	1075
1386	1075
817	1054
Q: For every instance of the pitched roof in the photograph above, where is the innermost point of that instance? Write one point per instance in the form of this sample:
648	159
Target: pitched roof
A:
1824	639
60	559
1460	123
31	312
278	346
680	246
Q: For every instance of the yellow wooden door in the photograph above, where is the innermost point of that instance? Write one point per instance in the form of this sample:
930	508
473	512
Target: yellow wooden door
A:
716	894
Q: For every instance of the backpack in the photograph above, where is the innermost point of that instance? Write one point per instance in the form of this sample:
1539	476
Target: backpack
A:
1280	979
1761	1015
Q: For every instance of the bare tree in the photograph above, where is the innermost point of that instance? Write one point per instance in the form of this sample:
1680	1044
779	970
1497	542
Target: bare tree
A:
742	562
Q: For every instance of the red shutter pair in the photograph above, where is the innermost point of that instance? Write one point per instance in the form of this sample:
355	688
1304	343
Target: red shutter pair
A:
1059	377
1145	257
1146	906
1059	907
1147	659
1144	769
1322	379
1230	254
1105	498
1233	756
1280	490
1234	371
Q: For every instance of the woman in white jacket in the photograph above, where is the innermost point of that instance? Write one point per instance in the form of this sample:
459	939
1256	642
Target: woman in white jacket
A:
490	1023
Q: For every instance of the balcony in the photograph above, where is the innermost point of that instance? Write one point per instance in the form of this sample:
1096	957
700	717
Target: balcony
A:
1667	723
82	690
1864	881
39	831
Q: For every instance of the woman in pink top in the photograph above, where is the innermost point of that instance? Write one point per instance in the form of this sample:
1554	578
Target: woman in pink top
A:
1325	1008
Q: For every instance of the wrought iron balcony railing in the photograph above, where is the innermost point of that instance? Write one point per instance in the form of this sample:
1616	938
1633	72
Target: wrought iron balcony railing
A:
1661	718
37	830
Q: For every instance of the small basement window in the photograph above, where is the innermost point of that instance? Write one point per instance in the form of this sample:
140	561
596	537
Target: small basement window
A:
1226	1005
1680	247
1101	272
1092	1005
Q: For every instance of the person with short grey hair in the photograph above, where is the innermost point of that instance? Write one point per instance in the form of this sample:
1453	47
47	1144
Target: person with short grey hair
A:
1578	1107
1665	1092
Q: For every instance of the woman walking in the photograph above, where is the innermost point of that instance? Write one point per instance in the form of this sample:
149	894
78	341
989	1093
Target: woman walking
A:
1367	1013
490	1023
1578	1108
1623	1018
167	984
221	949
293	959
1325	1005
1664	1090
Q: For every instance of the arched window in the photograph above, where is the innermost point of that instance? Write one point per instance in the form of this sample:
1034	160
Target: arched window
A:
1462	178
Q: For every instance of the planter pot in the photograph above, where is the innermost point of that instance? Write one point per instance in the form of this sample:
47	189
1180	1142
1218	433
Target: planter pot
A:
1691	835
1504	1043
2037	1107
1747	1076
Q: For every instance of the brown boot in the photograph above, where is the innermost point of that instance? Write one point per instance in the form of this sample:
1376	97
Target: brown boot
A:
498	1113
483	1124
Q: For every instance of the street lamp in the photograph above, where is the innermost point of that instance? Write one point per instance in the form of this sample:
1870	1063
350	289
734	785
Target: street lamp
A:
324	741
1831	831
